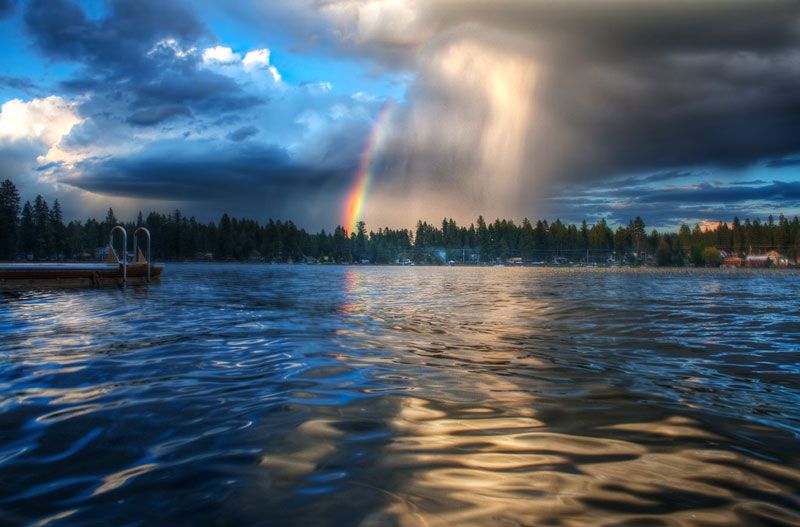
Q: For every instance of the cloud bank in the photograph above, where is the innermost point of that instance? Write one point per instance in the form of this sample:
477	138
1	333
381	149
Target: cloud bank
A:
509	108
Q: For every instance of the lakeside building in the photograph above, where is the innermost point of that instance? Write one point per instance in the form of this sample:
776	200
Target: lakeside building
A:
732	262
770	259
757	260
778	259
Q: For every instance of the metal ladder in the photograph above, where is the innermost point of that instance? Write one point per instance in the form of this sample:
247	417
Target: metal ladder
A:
135	249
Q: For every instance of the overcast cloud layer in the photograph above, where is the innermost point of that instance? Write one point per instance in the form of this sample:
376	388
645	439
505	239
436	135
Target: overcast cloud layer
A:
676	110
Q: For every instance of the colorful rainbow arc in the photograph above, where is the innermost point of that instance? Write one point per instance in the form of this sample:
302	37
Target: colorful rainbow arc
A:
354	203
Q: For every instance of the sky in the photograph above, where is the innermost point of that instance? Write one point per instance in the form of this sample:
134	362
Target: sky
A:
673	110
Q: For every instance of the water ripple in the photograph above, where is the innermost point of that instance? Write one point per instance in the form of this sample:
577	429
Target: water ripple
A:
283	395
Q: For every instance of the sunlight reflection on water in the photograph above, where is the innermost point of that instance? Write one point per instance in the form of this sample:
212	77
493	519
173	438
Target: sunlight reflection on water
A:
409	396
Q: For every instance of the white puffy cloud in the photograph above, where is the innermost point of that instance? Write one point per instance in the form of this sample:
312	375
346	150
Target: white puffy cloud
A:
276	76
221	55
257	58
46	120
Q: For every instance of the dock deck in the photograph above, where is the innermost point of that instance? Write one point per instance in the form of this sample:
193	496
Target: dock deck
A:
74	275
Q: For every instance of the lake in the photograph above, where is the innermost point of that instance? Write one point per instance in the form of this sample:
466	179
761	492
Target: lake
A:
336	395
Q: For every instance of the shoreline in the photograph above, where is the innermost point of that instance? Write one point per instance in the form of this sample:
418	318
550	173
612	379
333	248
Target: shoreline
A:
587	268
561	268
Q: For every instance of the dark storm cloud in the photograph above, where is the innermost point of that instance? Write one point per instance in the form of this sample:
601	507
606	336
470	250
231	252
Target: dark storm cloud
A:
623	86
158	114
204	171
669	206
203	89
631	26
116	45
240	134
778	191
650	85
784	162
674	123
669	175
708	193
131	57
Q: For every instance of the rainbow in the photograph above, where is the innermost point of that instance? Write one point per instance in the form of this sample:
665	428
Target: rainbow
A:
354	202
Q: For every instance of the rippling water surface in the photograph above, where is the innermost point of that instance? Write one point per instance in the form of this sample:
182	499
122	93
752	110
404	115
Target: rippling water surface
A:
276	395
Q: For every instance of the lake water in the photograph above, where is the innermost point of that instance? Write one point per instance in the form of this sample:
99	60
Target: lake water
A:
312	395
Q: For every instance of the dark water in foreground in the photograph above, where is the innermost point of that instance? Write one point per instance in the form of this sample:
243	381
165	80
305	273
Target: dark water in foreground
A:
270	395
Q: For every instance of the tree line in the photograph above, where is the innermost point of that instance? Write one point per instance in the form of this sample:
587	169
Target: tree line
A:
37	231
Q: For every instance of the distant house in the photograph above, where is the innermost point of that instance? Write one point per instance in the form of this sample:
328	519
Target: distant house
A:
757	260
777	259
732	261
772	258
515	261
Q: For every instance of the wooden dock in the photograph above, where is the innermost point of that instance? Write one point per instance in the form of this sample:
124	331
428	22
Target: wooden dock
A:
115	271
74	275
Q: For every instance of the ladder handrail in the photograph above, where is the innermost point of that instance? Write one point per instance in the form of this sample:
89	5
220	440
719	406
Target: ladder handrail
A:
124	250
136	247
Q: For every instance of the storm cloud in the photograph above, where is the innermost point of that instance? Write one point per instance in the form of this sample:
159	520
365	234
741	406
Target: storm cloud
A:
117	45
132	55
240	134
508	108
262	180
158	114
530	94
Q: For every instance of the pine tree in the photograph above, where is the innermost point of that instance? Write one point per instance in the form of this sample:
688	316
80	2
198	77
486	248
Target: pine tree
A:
58	229
74	241
526	240
637	234
685	238
27	230
483	240
9	220
225	238
663	252
43	246
583	234
109	223
360	242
